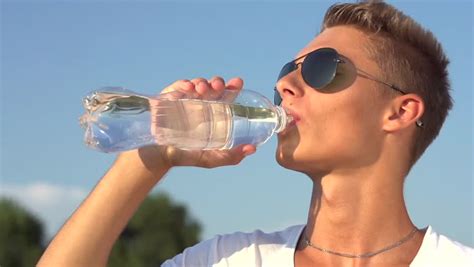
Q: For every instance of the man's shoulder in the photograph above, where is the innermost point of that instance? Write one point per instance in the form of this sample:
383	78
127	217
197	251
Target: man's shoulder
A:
242	249
440	250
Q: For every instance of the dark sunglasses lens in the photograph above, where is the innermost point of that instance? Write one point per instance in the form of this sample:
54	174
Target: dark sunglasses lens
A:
319	68
287	68
276	97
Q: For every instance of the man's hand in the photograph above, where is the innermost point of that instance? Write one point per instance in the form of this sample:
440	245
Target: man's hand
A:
170	156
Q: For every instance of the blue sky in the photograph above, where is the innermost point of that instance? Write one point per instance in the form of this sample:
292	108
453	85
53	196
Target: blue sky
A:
54	53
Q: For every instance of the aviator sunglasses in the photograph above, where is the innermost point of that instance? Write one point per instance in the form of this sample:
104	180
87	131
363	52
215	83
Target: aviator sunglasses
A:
318	70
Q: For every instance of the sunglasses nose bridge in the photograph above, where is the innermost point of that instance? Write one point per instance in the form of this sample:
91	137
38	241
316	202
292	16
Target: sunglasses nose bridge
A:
294	69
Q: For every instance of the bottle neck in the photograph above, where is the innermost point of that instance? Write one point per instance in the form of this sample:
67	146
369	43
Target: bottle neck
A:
283	119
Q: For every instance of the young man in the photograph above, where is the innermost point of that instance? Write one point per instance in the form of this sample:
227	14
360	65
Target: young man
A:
371	92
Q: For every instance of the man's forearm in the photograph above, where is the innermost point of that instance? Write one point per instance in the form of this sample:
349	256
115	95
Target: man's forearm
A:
88	236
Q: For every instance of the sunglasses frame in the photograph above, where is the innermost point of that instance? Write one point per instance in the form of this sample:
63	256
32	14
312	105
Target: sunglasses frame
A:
337	60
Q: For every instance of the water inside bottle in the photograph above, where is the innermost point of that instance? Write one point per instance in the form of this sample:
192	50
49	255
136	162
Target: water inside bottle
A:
202	124
125	121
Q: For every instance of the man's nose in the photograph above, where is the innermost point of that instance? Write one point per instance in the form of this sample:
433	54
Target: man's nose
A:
290	87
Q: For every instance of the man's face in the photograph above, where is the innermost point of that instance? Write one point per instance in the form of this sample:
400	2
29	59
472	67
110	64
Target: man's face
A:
338	128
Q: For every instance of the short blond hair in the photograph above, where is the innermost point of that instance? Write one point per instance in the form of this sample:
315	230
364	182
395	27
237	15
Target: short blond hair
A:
409	57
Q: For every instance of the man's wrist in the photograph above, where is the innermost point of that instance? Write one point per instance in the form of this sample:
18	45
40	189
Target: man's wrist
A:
145	161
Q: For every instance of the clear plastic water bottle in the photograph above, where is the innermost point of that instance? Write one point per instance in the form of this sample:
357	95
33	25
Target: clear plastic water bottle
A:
118	119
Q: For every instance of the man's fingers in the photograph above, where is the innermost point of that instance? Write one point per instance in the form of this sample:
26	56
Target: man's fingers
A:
198	80
235	84
240	152
233	87
178	90
201	88
217	88
217	83
180	85
210	90
249	149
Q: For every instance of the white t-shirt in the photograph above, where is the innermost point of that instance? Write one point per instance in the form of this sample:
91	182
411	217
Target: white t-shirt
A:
278	249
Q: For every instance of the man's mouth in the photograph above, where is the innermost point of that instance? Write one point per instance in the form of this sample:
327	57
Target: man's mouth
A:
295	118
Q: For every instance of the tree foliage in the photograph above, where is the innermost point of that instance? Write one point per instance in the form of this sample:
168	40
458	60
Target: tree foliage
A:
159	230
21	235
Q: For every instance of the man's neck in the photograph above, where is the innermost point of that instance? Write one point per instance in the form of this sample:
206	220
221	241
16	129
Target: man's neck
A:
358	211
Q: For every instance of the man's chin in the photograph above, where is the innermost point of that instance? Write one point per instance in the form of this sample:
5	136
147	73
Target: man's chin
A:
292	161
285	158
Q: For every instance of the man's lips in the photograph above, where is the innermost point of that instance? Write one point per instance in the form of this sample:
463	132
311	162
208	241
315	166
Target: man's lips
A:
295	117
293	114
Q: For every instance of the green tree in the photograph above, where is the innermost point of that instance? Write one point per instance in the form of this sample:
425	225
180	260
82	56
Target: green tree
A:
159	230
21	235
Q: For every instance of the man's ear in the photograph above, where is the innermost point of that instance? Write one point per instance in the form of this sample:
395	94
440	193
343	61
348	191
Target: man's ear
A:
404	111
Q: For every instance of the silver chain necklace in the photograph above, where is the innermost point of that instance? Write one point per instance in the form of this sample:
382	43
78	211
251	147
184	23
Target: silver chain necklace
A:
364	255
